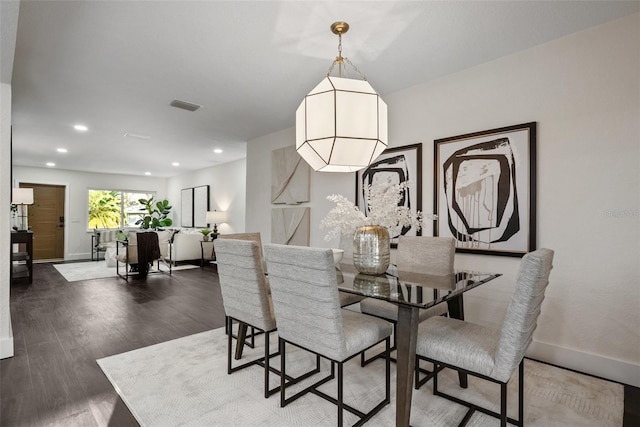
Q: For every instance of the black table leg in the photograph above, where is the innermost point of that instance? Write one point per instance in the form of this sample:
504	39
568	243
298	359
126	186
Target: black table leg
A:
407	329
242	334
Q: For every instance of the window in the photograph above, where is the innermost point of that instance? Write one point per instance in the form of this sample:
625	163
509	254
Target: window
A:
115	208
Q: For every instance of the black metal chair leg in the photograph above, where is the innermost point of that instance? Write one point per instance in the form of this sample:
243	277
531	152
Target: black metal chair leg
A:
521	394
340	396
266	365
281	345
503	405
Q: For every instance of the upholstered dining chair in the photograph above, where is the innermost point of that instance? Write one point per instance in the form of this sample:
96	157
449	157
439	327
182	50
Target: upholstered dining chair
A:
486	353
305	298
432	255
253	236
245	298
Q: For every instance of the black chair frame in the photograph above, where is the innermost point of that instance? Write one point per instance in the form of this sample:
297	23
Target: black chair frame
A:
339	402
502	416
364	361
262	361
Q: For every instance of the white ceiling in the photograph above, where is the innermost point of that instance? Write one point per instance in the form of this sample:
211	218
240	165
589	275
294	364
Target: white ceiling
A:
115	66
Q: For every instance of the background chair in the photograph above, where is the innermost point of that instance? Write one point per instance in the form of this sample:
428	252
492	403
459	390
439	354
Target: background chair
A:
431	255
486	353
140	250
307	308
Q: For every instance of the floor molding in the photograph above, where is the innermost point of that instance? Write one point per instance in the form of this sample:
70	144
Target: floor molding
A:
592	364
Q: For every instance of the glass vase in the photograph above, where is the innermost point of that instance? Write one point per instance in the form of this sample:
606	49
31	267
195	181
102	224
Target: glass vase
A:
371	249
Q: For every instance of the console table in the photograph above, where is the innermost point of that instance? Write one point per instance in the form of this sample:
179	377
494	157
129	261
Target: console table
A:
22	259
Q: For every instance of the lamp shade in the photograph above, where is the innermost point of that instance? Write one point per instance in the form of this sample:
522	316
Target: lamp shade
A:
341	125
216	217
22	196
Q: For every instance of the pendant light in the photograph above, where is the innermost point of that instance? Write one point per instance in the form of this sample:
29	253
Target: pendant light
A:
341	125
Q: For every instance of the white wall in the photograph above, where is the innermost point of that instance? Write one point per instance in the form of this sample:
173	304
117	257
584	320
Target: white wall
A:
227	184
584	92
6	335
77	239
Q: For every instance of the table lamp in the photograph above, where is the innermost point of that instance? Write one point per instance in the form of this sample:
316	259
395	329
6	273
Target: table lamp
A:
215	218
22	197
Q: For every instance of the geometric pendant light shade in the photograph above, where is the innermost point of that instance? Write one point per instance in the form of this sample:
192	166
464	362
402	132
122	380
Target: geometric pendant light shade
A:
341	125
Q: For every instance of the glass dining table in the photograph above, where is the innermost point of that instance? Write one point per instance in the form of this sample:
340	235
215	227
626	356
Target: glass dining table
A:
411	290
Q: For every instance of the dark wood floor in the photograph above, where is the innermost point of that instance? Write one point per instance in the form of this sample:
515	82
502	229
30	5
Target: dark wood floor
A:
61	328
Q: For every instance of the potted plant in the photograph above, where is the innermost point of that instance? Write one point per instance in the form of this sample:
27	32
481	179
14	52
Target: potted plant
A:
156	214
205	233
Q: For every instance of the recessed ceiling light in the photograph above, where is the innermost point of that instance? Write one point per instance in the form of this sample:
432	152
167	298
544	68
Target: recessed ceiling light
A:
147	173
80	128
51	164
217	150
61	150
175	164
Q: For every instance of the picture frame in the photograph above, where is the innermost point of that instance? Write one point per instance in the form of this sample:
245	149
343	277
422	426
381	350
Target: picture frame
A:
485	190
398	164
200	206
186	211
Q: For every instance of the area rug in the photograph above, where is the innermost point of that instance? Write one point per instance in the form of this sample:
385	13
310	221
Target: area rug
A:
76	271
185	382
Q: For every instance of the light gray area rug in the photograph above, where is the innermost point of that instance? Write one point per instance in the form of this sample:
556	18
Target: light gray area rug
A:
185	382
77	271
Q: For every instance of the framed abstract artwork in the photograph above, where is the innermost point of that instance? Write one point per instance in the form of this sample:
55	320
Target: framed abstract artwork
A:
485	192
395	165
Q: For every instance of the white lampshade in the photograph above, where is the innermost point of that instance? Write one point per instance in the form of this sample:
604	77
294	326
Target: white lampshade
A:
341	125
216	217
22	196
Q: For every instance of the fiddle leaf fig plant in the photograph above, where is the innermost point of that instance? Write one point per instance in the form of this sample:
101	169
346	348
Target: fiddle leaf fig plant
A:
157	214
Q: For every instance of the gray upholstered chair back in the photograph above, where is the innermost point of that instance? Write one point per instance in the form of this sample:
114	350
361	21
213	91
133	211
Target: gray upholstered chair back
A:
254	237
305	297
346	244
522	314
245	292
432	255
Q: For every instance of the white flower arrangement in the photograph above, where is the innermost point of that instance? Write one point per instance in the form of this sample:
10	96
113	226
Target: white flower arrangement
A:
382	204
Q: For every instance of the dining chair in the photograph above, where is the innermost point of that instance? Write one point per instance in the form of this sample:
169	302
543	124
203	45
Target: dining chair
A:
486	353
432	255
255	237
140	250
307	307
246	299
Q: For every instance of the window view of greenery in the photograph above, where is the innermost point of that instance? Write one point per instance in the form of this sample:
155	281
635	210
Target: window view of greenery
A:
115	209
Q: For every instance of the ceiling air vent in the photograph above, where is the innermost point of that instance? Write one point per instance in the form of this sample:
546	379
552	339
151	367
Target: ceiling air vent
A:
184	105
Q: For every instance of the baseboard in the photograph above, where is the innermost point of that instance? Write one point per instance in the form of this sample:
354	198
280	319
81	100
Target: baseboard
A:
592	364
6	344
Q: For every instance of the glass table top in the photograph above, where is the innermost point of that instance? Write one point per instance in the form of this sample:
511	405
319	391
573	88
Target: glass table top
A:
409	286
